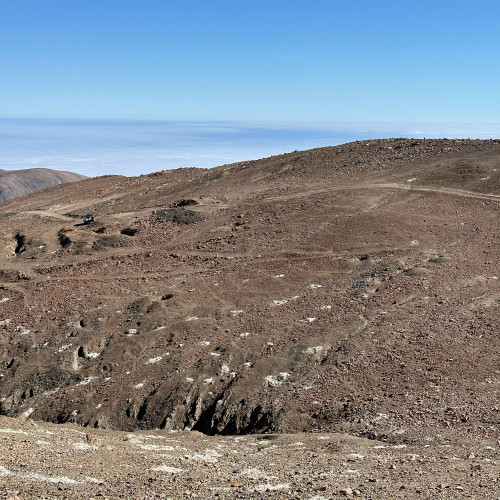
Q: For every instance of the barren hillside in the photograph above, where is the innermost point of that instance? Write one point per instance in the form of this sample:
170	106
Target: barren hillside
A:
14	183
346	289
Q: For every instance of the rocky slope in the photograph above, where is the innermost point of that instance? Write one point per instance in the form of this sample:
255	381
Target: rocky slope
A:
14	183
346	289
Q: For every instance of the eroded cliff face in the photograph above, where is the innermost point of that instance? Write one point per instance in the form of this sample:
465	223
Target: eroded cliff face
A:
352	288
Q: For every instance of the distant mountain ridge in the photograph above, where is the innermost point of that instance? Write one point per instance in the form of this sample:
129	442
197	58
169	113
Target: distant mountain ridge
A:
14	183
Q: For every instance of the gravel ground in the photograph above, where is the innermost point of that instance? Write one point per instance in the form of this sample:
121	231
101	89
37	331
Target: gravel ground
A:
41	460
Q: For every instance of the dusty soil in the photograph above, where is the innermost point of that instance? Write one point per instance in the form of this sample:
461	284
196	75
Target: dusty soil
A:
346	290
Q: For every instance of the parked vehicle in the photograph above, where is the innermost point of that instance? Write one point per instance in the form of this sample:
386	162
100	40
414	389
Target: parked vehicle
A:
88	218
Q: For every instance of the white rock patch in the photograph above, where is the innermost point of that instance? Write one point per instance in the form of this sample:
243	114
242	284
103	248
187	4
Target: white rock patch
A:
35	476
308	320
281	302
84	446
12	431
210	456
255	473
167	468
157	447
152	361
313	350
86	380
262	488
277	380
64	347
28	412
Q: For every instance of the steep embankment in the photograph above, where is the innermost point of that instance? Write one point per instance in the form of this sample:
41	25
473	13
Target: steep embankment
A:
350	288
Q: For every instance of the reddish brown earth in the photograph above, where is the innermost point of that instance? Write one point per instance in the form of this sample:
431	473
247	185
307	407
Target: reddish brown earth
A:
15	183
351	289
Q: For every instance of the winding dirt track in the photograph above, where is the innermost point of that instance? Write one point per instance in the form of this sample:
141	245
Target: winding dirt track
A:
427	189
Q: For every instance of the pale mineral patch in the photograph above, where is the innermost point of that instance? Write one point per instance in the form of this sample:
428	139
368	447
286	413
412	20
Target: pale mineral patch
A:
84	447
167	468
210	456
257	474
156	447
308	320
279	302
152	361
262	488
87	380
276	380
27	413
313	350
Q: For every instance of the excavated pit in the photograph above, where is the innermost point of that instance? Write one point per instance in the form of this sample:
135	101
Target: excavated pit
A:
63	239
129	231
20	240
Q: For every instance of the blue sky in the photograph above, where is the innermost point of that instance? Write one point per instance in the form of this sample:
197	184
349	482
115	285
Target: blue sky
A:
274	60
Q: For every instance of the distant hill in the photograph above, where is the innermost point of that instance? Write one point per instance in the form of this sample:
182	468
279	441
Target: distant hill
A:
14	183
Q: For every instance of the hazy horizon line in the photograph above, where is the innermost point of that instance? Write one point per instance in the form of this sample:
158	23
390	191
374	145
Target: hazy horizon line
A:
252	121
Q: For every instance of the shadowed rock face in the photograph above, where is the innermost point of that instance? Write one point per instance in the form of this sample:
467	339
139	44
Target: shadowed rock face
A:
348	288
14	183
